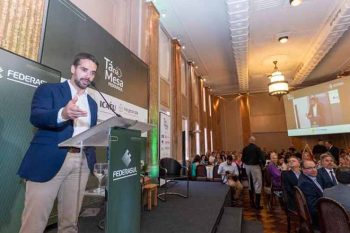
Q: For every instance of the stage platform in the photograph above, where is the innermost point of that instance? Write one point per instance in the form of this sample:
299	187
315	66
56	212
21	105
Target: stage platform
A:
200	213
196	214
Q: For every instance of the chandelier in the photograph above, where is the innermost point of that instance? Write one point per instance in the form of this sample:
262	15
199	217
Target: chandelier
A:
278	86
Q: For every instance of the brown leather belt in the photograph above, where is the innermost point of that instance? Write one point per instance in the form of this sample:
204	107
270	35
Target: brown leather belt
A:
73	150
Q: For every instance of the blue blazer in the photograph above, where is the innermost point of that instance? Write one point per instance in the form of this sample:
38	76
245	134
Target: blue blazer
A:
44	158
312	193
324	179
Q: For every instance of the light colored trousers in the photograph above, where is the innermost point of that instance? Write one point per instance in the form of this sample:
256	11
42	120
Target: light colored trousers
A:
68	186
237	187
255	172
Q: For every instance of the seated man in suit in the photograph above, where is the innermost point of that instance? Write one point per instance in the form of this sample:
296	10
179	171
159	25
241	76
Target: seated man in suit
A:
311	189
341	191
290	179
325	174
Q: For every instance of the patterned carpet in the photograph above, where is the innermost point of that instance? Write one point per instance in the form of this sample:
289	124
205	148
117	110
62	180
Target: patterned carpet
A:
274	220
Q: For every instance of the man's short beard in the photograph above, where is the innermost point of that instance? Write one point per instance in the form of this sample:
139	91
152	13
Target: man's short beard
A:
78	83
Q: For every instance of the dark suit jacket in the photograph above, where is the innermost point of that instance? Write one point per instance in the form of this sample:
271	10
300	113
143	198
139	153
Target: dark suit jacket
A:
312	193
319	149
340	193
44	158
335	152
289	180
252	155
324	179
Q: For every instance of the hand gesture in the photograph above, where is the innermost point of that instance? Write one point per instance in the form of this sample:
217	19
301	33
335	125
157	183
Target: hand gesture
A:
72	110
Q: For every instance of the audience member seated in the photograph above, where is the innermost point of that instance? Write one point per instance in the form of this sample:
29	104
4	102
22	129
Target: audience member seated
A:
275	173
325	174
229	174
204	160
311	189
283	162
240	166
344	160
341	191
307	156
212	159
195	162
289	180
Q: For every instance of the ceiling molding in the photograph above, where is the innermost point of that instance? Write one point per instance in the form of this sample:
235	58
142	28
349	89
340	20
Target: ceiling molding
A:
334	28
238	15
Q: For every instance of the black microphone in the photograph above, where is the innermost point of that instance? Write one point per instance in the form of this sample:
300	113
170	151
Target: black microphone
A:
93	84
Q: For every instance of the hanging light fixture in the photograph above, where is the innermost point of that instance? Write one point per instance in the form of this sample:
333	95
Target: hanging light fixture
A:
295	2
278	86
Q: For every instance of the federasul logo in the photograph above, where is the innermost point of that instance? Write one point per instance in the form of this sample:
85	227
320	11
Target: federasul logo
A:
21	78
125	172
126	158
114	75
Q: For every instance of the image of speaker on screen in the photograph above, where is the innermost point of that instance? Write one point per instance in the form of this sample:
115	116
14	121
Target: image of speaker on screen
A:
316	112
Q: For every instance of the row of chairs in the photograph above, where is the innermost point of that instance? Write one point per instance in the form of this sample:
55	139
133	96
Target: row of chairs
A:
201	173
333	218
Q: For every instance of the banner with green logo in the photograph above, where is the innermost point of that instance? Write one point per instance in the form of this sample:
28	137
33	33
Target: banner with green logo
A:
124	188
19	78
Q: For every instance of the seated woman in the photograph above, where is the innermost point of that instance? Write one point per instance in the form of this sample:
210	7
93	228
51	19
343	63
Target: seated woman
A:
275	173
204	160
344	160
195	162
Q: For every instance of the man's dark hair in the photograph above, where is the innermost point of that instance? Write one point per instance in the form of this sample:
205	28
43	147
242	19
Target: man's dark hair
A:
81	56
295	157
302	164
229	157
343	175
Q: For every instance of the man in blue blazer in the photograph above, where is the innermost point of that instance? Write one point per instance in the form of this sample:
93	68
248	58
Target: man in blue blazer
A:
59	111
311	189
325	174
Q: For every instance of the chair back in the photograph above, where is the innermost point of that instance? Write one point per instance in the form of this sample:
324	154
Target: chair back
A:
216	176
333	218
172	166
303	212
267	181
285	198
201	172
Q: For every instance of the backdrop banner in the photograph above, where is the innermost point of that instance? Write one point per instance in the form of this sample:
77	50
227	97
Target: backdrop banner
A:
19	78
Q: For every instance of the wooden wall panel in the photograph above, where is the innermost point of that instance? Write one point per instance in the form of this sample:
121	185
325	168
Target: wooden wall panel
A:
176	106
164	93
21	25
